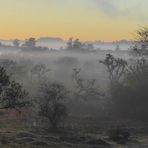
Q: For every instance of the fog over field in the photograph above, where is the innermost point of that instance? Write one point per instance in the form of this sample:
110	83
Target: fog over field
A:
73	74
61	65
80	87
58	43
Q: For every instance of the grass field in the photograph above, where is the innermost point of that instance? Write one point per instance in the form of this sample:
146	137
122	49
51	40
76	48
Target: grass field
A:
79	132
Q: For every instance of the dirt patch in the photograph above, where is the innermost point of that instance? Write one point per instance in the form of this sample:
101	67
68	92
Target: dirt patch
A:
25	134
40	143
24	140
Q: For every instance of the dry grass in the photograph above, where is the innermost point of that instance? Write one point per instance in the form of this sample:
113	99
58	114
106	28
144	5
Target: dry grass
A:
16	132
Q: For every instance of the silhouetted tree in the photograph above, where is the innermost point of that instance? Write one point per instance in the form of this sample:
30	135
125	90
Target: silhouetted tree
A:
117	48
115	66
16	69
51	104
77	45
4	79
12	95
1	44
40	70
16	43
130	95
70	43
141	48
85	88
89	46
9	66
31	42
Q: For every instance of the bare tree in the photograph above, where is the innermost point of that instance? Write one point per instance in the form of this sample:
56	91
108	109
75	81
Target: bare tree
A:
85	88
115	66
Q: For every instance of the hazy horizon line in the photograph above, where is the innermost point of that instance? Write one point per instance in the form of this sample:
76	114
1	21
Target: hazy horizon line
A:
50	37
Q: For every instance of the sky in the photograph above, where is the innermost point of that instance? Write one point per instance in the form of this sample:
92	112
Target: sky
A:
85	19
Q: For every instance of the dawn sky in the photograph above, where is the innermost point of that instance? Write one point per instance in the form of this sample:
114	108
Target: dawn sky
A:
85	19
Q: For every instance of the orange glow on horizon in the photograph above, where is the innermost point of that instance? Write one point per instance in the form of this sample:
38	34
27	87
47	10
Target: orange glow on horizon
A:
83	19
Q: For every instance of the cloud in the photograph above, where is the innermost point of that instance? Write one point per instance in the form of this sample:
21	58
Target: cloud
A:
135	9
107	7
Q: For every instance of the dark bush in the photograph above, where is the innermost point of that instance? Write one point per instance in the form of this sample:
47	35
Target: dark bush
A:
52	105
120	136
